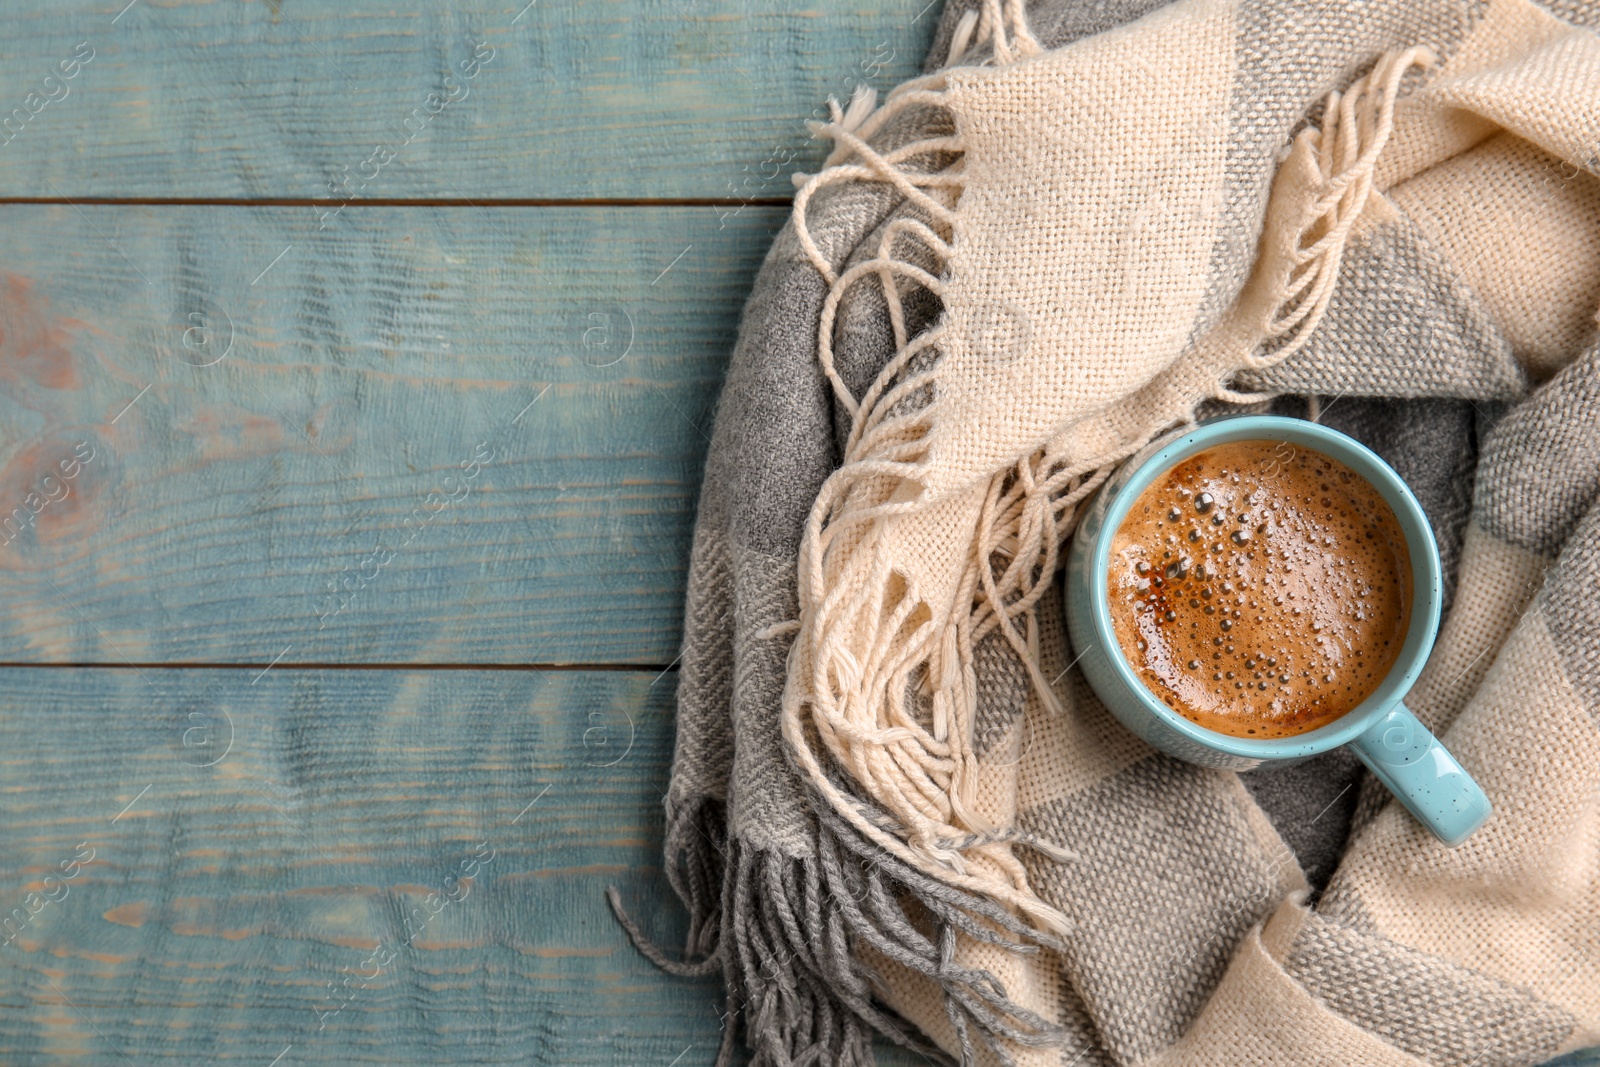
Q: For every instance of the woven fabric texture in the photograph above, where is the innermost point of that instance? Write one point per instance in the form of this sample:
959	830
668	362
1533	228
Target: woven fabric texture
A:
895	806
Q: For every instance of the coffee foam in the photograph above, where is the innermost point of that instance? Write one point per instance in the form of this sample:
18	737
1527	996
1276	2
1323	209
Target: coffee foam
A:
1260	589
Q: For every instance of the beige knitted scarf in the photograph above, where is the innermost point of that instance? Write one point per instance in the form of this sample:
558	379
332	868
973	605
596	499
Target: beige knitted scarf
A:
1074	228
1075	234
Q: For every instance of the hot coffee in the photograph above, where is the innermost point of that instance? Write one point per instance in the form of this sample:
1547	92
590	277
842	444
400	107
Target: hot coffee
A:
1260	589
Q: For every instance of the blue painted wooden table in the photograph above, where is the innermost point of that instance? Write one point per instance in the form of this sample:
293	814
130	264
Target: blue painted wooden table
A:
357	366
356	371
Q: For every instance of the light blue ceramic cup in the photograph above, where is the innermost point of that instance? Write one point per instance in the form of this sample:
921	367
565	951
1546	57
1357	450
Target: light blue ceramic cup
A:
1385	735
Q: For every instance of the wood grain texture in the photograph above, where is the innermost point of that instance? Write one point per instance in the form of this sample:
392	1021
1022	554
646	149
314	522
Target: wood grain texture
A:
254	839
304	495
278	99
209	851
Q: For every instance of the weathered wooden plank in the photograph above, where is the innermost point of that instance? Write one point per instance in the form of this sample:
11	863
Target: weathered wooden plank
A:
603	98
209	851
215	859
246	437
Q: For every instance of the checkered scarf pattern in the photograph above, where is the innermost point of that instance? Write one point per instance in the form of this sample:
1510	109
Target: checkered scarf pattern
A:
1110	904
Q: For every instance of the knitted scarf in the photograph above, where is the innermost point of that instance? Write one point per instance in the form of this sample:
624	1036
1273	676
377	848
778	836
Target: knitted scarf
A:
895	808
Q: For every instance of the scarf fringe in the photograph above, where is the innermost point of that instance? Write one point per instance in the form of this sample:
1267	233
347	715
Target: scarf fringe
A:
785	933
868	636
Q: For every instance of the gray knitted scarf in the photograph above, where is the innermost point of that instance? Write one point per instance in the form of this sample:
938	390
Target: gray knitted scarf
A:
895	809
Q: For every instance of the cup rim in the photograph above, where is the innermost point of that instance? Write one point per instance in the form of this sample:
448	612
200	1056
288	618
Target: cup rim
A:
1426	584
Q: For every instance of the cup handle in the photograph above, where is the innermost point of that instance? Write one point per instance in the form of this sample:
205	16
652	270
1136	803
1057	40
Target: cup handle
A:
1411	762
